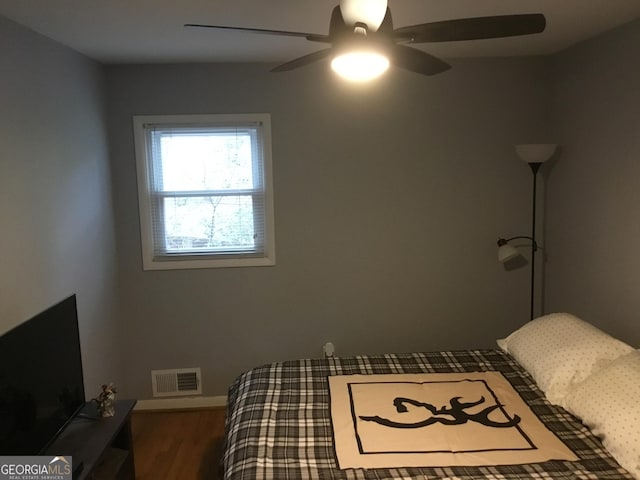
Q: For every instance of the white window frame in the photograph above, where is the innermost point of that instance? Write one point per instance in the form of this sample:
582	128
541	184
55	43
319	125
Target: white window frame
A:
142	126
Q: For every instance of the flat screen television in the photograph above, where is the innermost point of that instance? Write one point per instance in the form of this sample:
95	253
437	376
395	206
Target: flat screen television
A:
41	383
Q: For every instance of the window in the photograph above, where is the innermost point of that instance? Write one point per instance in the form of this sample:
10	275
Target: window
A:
204	190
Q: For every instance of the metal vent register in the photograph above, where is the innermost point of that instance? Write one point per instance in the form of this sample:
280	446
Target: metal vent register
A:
176	382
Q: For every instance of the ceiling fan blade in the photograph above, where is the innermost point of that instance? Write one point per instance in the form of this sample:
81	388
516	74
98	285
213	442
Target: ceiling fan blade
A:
303	61
417	61
477	28
309	36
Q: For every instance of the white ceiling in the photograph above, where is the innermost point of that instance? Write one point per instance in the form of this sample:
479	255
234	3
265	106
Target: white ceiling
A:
151	31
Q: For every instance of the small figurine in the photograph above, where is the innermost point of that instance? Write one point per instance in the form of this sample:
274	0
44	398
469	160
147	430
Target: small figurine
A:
106	401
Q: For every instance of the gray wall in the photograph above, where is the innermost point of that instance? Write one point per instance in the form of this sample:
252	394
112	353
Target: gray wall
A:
388	203
593	190
56	220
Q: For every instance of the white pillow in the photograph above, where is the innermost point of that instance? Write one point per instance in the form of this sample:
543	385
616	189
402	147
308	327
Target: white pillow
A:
609	403
560	350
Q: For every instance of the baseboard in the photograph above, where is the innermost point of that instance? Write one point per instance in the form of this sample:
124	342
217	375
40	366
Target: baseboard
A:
183	403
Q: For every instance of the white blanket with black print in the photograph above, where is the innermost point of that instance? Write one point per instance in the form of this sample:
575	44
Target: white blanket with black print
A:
436	419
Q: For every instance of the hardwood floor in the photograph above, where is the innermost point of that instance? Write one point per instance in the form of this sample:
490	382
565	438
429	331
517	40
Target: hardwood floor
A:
178	445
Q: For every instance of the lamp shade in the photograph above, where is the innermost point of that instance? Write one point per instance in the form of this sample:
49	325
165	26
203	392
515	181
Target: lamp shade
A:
507	252
536	152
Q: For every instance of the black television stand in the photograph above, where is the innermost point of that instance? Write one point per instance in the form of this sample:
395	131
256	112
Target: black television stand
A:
100	448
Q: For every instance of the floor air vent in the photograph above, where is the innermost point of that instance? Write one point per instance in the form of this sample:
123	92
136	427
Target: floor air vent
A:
176	382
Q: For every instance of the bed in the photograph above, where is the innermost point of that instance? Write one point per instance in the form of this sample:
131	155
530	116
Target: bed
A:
282	422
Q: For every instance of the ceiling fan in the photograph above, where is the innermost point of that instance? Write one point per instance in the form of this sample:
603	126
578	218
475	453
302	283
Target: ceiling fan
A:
361	34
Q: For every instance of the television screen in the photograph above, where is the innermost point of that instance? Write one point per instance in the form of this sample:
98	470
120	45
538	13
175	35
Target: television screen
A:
41	383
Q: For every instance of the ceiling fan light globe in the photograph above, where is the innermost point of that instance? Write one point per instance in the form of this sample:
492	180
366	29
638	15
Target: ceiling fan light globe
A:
360	66
369	12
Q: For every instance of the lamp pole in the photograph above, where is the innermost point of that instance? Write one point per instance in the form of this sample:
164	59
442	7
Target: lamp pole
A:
535	166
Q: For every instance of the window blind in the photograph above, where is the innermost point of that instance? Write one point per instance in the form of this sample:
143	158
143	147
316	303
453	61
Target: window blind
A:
207	190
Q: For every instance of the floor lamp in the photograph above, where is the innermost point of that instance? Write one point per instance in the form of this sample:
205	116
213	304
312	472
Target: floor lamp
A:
535	155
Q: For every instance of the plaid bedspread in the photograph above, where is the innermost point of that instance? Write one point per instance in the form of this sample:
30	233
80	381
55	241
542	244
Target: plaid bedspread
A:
278	423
